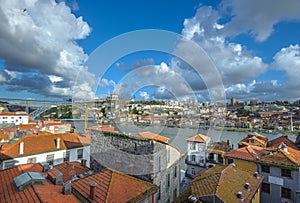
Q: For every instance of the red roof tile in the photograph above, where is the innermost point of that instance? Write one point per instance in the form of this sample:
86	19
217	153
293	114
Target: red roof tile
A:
36	144
154	136
198	138
4	136
113	186
70	169
33	193
248	153
225	182
277	141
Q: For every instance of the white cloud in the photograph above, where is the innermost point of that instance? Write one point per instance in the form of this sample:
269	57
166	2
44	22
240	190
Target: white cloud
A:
234	62
144	95
259	17
40	37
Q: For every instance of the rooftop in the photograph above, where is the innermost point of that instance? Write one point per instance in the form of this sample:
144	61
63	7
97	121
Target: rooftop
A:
43	142
198	138
34	193
154	136
113	186
277	141
225	182
248	153
70	169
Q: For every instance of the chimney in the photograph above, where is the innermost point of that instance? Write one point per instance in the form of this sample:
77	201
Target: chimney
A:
58	143
92	190
247	186
240	195
67	188
83	162
21	147
256	175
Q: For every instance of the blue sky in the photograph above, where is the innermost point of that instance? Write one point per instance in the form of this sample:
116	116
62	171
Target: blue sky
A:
254	45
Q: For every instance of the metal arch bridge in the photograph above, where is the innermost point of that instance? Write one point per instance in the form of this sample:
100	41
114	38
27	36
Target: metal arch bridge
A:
40	105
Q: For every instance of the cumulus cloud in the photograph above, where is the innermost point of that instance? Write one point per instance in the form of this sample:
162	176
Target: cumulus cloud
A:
259	17
144	95
39	44
234	62
288	60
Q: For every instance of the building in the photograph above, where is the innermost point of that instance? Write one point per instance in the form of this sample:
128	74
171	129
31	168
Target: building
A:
71	182
281	169
196	154
109	185
227	184
216	152
279	163
35	188
14	117
45	148
254	139
147	156
246	157
223	184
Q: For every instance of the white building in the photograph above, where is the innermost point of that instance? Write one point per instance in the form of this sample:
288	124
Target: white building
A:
17	118
45	148
196	154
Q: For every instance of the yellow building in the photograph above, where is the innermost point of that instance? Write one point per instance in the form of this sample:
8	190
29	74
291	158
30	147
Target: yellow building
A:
245	157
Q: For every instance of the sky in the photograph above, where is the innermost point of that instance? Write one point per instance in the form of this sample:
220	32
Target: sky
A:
45	47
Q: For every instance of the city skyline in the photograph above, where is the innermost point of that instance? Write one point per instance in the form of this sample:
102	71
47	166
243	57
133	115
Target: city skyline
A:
253	45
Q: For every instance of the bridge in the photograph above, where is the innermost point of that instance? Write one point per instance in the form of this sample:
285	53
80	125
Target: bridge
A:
40	106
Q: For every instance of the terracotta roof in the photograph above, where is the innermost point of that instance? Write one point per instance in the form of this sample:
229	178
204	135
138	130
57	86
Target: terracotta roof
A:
70	169
4	136
154	136
43	142
277	141
286	156
218	147
248	153
226	182
34	193
12	114
28	126
113	186
104	128
198	138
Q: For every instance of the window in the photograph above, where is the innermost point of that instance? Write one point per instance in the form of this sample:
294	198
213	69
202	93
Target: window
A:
193	157
168	181
175	171
220	158
193	171
211	157
79	153
50	159
265	169
9	164
230	161
286	193
265	188
193	146
31	160
66	156
286	173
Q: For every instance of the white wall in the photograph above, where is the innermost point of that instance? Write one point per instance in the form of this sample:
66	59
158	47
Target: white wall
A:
58	157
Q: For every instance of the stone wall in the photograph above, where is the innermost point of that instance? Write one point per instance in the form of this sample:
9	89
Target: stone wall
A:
143	158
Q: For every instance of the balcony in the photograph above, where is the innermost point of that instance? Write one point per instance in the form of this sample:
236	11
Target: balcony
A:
195	163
